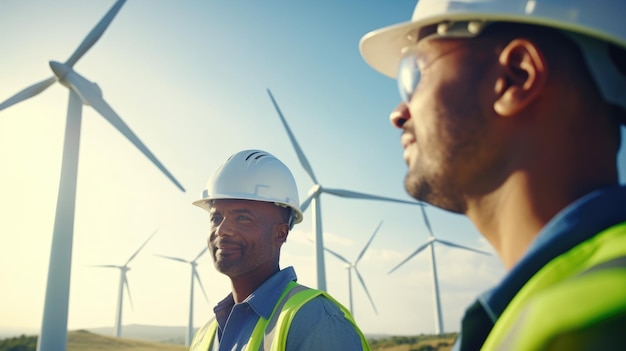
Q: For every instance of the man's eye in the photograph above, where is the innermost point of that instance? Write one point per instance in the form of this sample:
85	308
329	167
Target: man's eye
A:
215	220
243	218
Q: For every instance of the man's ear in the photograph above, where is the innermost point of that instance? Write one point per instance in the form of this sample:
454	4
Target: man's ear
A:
524	76
282	231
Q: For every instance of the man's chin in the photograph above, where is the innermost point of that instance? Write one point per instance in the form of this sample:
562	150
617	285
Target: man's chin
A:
415	187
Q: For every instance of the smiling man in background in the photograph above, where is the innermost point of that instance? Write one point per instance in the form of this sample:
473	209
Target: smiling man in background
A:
252	200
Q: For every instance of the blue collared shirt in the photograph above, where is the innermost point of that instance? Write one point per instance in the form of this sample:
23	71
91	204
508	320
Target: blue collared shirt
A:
318	325
578	222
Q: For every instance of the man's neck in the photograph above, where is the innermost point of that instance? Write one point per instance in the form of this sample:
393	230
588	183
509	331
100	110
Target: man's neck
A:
244	285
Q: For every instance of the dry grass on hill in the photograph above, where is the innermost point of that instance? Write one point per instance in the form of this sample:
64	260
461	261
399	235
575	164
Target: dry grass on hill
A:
85	341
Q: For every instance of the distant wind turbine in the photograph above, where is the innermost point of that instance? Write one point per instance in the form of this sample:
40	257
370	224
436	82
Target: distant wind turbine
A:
123	283
430	244
53	335
194	276
352	266
314	196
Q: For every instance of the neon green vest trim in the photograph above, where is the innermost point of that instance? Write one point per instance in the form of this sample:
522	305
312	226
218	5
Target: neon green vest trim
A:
274	339
559	298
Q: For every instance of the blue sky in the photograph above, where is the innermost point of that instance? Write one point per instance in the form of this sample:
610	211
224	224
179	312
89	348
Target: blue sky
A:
190	80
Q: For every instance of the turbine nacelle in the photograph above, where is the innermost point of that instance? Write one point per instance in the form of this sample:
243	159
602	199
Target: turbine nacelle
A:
72	80
315	190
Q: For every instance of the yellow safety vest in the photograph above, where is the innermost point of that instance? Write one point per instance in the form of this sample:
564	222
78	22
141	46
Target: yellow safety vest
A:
271	333
573	293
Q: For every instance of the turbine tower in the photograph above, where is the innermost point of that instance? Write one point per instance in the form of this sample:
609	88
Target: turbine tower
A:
314	197
350	266
430	244
194	276
53	334
123	283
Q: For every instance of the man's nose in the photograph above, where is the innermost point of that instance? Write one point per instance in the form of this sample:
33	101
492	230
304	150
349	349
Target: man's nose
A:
400	115
225	228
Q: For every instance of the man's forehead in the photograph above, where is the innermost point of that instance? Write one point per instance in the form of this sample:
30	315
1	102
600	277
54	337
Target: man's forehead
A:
238	205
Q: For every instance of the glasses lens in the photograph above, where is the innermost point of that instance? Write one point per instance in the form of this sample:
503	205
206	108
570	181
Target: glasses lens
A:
408	77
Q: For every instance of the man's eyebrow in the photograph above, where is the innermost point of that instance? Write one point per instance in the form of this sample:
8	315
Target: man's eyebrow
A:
241	210
234	211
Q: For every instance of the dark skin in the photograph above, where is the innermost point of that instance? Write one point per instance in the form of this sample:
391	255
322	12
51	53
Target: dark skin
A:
504	132
244	240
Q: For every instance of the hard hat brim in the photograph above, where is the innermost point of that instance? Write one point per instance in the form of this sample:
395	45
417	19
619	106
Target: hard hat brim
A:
382	48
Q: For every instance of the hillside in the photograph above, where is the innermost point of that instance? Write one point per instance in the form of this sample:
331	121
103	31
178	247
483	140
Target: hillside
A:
83	340
155	333
414	343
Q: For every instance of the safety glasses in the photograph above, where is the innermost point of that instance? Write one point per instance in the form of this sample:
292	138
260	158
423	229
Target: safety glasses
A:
409	71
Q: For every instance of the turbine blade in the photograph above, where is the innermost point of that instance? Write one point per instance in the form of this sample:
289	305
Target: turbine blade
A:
172	258
105	266
130	298
87	92
28	92
337	255
419	249
358	275
305	204
368	243
195	274
200	254
95	33
303	160
141	247
358	195
462	247
427	222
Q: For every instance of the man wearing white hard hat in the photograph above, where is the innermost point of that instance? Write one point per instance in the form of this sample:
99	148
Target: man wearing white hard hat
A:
511	114
252	200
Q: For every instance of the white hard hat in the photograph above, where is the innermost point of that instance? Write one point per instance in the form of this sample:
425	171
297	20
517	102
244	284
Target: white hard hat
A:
253	175
600	19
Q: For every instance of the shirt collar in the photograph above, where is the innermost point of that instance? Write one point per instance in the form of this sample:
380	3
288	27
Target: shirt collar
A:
265	297
576	223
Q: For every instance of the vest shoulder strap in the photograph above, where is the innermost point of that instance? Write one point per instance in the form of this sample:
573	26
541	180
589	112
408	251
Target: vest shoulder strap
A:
203	339
265	330
291	308
569	296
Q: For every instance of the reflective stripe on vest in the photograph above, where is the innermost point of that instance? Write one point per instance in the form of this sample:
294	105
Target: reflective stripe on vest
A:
271	334
559	298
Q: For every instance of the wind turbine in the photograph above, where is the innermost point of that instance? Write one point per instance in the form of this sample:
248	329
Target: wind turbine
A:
53	335
352	266
123	283
194	276
314	197
430	244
